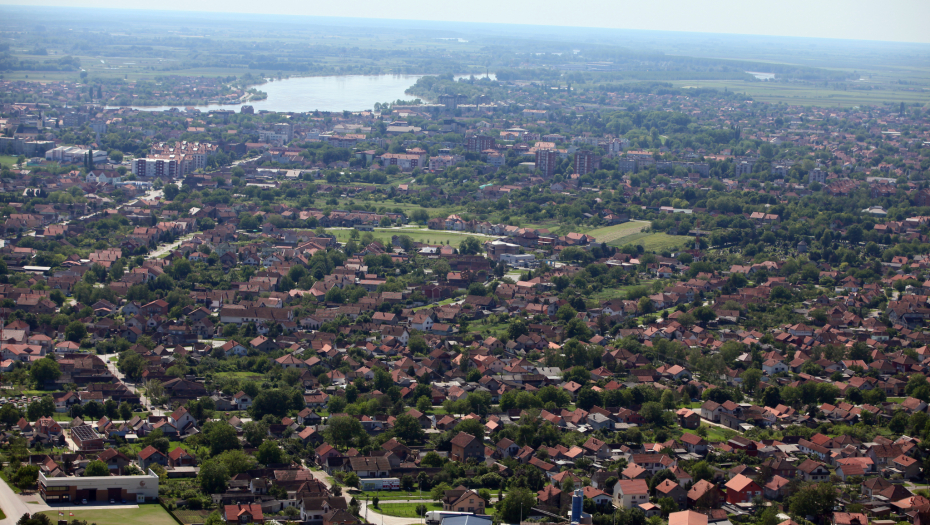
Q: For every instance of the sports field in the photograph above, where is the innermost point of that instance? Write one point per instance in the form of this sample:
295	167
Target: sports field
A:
150	514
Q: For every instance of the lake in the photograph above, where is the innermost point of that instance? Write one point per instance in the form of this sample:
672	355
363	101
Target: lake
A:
334	93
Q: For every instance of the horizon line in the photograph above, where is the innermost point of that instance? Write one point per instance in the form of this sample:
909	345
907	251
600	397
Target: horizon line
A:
388	20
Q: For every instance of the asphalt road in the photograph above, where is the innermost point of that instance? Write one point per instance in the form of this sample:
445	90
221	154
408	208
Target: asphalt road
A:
13	506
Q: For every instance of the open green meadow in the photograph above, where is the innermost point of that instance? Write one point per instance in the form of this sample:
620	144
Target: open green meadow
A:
610	234
714	434
619	292
632	233
808	95
421	235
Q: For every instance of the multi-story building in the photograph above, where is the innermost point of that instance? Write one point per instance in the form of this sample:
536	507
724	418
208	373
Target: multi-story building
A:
817	175
479	143
73	119
404	161
190	156
160	166
441	162
586	162
546	161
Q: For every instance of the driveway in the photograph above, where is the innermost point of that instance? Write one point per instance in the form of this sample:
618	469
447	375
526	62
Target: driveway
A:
321	476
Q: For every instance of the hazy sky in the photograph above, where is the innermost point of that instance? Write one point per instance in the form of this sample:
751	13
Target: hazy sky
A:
892	20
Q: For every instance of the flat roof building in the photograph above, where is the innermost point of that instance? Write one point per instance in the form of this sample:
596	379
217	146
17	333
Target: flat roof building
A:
138	489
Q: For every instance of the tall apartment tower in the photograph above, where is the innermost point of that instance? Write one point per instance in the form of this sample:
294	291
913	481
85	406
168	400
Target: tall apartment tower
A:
586	162
547	161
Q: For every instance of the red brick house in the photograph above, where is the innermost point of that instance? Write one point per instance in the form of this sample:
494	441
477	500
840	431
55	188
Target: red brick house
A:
741	489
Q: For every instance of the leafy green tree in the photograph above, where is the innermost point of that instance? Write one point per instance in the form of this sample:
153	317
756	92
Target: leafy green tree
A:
667	505
214	518
269	453
771	397
431	459
587	398
668	400
221	436
351	480
751	378
341	430
133	365
45	369
171	191
26	476
565	313
125	411
653	413
44	407
578	374
96	468
516	505
702	471
9	414
470	246
75	331
255	432
213	477
270	401
237	461
814	499
408	430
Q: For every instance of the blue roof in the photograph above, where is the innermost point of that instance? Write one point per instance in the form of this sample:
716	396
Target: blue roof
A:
466	520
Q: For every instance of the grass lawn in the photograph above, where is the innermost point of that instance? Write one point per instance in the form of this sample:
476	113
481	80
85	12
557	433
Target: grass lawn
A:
649	241
620	291
405	510
440	303
714	434
421	235
895	399
239	375
10	392
2	515
617	231
7	161
150	514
